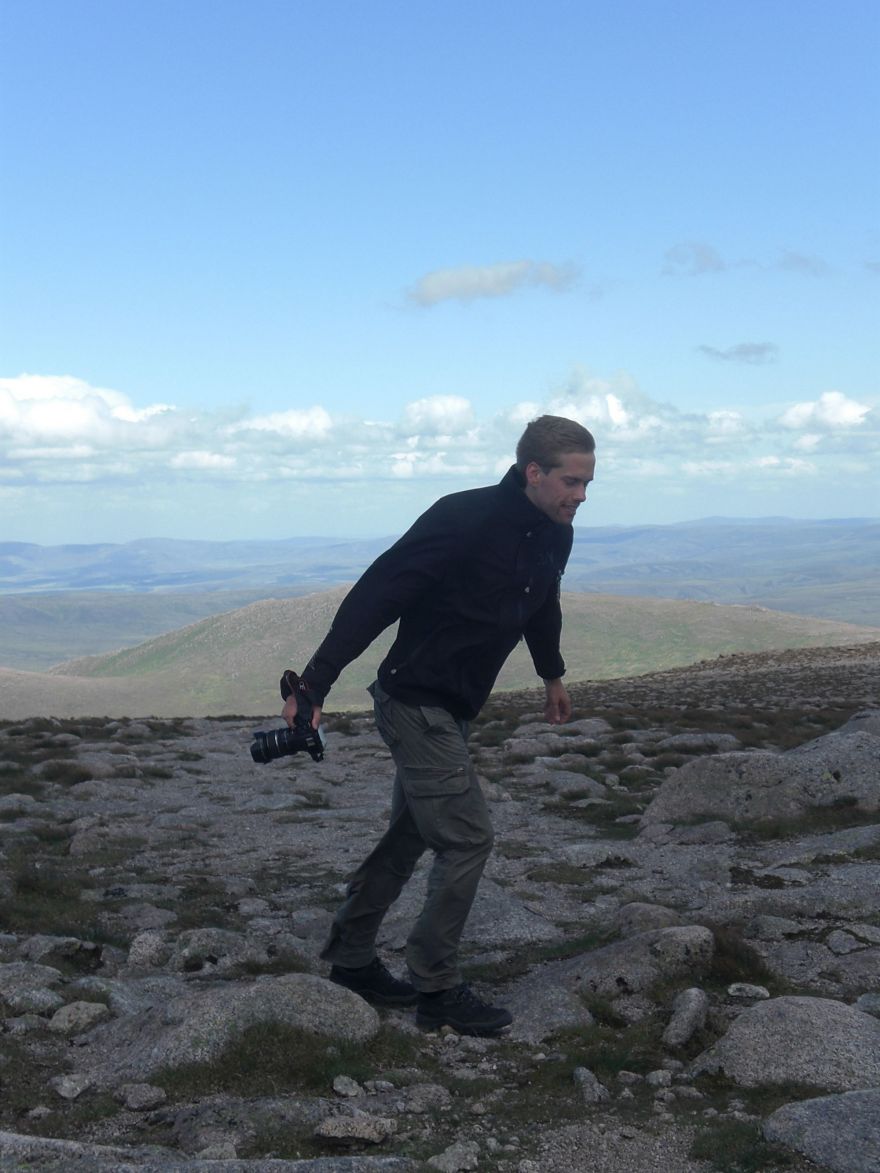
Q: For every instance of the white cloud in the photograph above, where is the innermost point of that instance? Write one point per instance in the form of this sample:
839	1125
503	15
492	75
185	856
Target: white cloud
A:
58	408
754	353
201	460
444	414
61	437
693	258
832	409
470	282
724	426
307	421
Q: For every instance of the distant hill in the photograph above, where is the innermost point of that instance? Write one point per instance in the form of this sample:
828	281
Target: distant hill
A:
230	663
58	601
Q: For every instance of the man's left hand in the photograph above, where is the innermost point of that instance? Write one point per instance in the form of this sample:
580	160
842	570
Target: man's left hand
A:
557	708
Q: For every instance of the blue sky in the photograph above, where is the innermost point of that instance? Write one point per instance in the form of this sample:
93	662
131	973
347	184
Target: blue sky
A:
277	268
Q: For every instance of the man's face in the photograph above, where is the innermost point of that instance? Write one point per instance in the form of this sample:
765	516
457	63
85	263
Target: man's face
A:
559	492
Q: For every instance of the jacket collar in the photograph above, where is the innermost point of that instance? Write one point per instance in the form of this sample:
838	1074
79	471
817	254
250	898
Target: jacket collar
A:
513	486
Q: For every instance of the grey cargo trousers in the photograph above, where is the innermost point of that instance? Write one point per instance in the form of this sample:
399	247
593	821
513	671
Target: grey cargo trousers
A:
437	803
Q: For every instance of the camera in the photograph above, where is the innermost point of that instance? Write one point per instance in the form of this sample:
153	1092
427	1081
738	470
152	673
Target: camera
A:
270	744
277	743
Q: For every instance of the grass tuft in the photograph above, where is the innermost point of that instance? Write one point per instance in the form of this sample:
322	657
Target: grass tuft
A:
272	1058
737	1146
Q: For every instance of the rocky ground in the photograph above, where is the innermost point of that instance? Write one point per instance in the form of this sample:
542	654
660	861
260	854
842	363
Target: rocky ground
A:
681	911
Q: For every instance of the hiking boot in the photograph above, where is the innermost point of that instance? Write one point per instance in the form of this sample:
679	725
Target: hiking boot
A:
461	1009
375	984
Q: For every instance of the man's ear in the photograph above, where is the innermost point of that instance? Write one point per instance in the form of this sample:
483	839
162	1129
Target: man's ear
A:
534	472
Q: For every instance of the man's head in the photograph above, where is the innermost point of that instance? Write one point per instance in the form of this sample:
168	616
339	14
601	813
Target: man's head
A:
557	458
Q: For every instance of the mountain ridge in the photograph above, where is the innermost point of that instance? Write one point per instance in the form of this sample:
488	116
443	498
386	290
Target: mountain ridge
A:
231	663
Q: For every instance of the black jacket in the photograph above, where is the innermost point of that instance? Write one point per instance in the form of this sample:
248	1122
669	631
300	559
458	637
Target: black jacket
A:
476	572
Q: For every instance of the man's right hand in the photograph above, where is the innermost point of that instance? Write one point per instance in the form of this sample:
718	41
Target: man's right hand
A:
290	710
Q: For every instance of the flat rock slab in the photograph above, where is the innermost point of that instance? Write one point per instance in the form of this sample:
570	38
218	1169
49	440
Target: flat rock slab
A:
817	1042
840	1133
755	787
198	1025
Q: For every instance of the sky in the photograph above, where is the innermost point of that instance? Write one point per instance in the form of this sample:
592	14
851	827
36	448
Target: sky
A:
273	268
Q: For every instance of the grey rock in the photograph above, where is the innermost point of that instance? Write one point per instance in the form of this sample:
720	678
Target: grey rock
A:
344	1085
689	1012
198	949
20	977
149	950
426	1097
64	1155
812	1041
568	784
747	992
196	1026
841	942
71	951
638	963
71	1087
18	804
543	1005
463	1154
867	721
358	1127
840	1133
701	743
76	1017
592	1090
141	1097
754	787
637	917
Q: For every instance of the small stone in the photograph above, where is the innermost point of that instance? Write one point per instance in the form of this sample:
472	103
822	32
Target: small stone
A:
689	1012
744	991
591	1089
344	1085
659	1078
427	1097
223	1150
77	1017
149	950
842	943
359	1127
69	1087
464	1154
684	1091
378	1086
141	1097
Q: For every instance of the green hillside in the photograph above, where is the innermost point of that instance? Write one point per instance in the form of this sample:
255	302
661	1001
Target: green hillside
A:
231	663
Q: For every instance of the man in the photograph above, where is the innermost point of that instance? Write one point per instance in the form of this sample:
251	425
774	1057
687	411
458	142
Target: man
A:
478	571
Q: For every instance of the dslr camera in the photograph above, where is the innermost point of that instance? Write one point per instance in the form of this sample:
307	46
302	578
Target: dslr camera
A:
268	745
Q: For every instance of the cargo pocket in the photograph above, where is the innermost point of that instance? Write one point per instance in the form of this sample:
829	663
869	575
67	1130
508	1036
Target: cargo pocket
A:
434	781
382	713
436	719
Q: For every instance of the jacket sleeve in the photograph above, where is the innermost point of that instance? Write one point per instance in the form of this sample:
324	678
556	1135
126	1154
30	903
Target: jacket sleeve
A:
400	576
544	629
